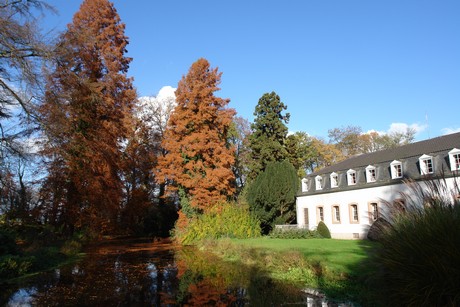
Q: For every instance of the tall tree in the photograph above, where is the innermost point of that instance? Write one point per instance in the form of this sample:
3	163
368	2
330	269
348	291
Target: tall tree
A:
271	196
301	152
88	100
239	138
269	131
199	157
22	50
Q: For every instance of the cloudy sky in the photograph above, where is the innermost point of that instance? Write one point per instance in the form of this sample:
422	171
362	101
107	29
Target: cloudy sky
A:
380	65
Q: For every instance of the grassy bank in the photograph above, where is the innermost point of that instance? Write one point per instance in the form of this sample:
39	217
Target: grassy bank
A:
28	249
335	267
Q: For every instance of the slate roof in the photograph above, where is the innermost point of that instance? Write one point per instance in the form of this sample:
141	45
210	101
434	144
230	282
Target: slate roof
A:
429	147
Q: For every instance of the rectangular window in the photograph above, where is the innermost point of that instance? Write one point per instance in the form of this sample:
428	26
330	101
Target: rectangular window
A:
428	166
319	183
397	170
457	161
372	175
336	214
354	217
334	180
305	217
320	214
373	212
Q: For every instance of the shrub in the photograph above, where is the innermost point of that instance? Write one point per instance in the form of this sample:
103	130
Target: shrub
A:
13	266
323	231
223	220
293	234
7	242
417	258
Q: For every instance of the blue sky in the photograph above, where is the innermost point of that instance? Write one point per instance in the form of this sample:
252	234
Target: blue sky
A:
334	63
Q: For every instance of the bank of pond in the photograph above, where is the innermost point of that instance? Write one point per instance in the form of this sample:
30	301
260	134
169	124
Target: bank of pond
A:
157	272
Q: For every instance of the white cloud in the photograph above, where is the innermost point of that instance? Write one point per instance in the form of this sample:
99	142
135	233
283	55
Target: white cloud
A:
402	127
450	130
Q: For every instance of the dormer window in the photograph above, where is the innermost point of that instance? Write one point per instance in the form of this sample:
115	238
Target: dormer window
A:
371	174
396	169
334	180
426	165
454	159
351	177
304	185
319	182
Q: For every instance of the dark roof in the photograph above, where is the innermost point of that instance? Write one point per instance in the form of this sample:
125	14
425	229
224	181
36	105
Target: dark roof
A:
430	146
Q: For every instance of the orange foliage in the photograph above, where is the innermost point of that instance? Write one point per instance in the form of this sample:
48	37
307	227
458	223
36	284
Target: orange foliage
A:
199	156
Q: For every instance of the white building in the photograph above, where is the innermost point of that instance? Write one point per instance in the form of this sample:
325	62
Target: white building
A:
349	196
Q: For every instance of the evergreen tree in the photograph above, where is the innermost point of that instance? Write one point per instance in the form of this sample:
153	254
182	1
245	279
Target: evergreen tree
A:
199	157
272	194
88	101
267	141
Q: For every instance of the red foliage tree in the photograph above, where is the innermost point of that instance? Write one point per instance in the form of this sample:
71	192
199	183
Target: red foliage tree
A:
199	157
87	101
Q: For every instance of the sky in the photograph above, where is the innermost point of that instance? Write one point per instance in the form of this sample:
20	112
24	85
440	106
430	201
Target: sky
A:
377	64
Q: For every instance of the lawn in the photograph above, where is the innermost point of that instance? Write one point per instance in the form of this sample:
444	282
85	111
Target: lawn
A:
338	255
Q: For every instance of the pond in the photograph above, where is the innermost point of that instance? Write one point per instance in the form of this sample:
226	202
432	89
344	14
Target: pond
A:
154	273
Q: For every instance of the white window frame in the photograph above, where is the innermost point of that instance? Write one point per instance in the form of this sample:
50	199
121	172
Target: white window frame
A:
352	177
371	174
334	180
354	213
394	169
425	161
454	159
304	185
319	182
336	214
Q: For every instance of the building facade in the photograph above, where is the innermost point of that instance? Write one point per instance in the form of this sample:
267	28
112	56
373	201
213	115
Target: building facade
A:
350	195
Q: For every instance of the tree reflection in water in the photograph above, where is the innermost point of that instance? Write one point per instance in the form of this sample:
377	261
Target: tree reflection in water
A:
142	273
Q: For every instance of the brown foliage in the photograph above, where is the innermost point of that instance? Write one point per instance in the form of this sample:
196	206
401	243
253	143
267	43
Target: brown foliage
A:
199	157
87	99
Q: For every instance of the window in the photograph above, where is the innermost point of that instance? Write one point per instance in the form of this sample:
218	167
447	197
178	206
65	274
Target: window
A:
319	182
426	165
371	174
399	206
351	176
396	169
454	159
334	180
335	214
304	185
353	210
373	212
319	214
305	217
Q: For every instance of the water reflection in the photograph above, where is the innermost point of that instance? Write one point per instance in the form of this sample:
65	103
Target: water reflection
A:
142	273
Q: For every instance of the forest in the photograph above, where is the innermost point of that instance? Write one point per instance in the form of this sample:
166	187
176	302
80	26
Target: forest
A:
82	155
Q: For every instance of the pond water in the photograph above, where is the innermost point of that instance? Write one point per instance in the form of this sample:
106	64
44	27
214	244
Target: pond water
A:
146	273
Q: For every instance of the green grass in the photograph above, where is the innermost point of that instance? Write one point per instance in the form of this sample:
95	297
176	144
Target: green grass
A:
340	256
335	267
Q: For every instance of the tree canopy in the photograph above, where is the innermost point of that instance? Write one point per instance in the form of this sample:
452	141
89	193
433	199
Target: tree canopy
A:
199	157
269	131
272	194
88	101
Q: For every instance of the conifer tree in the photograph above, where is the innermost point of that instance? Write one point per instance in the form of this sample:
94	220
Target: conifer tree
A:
199	157
87	104
267	141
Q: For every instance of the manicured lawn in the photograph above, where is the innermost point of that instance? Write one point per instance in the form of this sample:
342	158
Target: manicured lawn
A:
337	255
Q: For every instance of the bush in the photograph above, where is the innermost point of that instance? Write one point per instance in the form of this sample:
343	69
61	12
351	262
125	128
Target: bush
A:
13	266
293	234
223	220
323	231
417	258
7	242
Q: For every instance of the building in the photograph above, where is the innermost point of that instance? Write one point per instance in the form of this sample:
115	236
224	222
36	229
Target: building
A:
350	195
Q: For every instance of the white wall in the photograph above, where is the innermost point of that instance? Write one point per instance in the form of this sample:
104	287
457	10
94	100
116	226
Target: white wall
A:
361	197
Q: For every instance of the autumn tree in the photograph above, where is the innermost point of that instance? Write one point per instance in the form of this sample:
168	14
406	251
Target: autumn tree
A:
269	131
199	157
239	137
87	103
22	50
301	152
